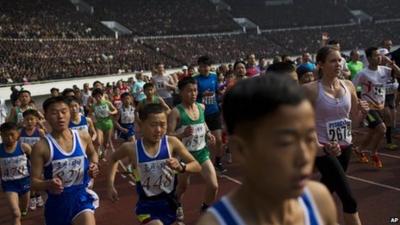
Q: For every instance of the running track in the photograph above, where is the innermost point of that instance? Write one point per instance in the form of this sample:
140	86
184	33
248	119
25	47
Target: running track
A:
377	192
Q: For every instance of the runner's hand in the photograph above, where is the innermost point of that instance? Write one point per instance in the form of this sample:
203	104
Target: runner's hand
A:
333	149
211	138
174	164
113	194
55	186
364	106
124	130
187	132
93	170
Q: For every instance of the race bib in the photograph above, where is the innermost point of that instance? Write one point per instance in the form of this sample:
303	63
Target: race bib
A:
14	168
156	177
209	99
197	140
339	130
101	111
379	91
127	116
160	85
69	170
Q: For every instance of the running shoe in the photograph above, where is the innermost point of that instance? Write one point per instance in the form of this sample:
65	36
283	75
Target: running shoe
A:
362	157
179	214
220	168
376	161
39	201
24	213
32	204
391	146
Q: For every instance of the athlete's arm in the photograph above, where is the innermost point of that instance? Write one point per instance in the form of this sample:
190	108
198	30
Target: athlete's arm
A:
164	105
311	91
357	113
113	110
324	202
116	123
173	120
207	219
26	148
40	155
42	132
126	150
178	149
91	153
92	129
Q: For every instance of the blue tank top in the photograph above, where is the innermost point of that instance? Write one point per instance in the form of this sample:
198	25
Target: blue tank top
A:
29	139
226	214
82	125
208	83
14	166
72	168
154	182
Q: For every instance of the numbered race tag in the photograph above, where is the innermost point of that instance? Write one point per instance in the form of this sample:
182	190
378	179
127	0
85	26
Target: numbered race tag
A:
160	85
101	111
156	177
209	99
339	130
14	168
69	170
127	116
197	140
379	91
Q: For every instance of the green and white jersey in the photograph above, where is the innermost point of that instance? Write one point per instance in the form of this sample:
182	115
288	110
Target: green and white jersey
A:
197	141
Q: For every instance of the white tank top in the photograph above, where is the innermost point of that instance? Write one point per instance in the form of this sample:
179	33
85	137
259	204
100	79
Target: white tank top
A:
159	83
333	117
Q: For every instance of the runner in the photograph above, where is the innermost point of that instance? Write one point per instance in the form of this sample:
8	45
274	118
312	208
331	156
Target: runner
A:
14	170
154	157
186	121
149	91
207	86
337	113
274	141
68	160
16	112
126	118
102	111
164	84
373	80
79	121
30	134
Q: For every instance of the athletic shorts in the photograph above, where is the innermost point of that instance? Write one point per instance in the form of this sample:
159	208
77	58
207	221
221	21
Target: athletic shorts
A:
104	124
374	118
214	121
169	101
131	131
62	209
163	209
390	101
201	155
20	186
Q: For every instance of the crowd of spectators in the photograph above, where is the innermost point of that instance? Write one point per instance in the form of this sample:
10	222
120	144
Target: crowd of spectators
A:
379	10
154	17
47	19
22	61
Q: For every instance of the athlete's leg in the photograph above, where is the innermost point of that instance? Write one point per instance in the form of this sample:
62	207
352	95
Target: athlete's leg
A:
379	133
217	148
84	218
183	182
351	219
24	201
154	222
210	177
13	203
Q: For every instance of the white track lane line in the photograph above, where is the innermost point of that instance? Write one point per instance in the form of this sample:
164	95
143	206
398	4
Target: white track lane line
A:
231	179
374	183
389	155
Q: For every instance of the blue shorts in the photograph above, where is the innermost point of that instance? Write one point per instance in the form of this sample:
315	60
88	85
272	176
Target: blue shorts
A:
20	186
64	208
131	131
162	209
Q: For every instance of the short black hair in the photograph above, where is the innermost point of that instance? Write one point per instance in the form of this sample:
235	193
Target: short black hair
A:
54	89
204	60
97	91
52	100
23	91
369	51
7	126
32	112
152	108
258	97
282	67
333	42
66	91
125	94
185	81
148	85
238	62
97	82
71	99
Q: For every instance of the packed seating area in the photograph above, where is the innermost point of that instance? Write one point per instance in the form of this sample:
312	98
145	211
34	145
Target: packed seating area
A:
153	17
382	9
46	19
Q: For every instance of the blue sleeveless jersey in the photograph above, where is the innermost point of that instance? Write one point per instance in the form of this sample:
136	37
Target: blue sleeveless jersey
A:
226	214
14	166
82	125
29	139
153	182
72	168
